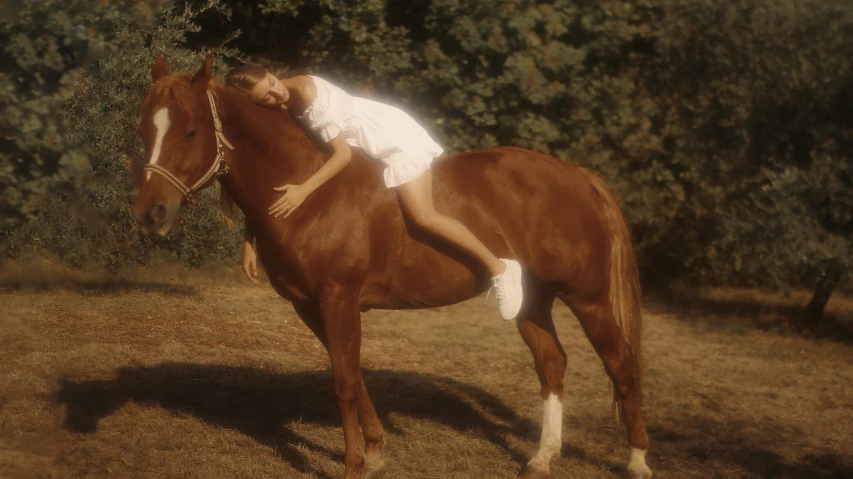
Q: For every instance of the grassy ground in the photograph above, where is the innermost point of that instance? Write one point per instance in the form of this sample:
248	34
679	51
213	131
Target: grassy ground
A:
187	374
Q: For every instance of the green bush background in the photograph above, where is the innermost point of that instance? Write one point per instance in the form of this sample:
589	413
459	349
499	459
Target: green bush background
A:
724	126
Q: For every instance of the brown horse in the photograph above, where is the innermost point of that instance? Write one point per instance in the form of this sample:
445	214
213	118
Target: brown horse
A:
347	249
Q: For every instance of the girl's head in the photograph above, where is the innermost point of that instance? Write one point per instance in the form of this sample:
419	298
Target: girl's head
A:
259	84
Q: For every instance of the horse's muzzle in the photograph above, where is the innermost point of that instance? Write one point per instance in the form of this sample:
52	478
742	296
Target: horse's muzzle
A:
155	219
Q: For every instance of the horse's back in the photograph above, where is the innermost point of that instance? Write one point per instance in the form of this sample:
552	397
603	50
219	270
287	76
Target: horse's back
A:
546	209
514	172
520	203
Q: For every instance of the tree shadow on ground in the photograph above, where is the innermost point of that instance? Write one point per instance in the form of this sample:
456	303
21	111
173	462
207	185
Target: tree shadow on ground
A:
262	404
703	441
92	287
740	314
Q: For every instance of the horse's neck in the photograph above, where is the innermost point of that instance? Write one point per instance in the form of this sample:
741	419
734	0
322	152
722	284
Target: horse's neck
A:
269	146
269	138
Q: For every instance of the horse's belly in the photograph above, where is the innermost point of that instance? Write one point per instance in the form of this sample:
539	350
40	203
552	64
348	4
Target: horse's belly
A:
427	279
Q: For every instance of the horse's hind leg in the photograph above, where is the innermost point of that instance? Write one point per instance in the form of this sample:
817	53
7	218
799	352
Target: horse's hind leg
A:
596	318
371	426
537	329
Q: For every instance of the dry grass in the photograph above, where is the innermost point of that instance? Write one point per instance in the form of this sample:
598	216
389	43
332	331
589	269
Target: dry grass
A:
186	374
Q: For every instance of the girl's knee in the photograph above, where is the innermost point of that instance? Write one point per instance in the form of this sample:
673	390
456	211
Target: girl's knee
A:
427	220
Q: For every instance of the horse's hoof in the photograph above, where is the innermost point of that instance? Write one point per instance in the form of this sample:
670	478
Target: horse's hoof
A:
373	465
530	472
637	468
644	474
373	473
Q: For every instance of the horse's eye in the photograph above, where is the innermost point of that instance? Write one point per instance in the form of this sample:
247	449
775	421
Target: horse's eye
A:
190	135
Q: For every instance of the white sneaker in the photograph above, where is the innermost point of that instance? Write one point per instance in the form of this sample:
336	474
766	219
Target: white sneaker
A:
507	287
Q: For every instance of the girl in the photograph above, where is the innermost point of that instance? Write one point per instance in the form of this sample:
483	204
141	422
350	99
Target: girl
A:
384	133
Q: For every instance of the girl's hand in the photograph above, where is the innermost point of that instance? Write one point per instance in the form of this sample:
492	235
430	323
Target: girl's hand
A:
250	263
293	196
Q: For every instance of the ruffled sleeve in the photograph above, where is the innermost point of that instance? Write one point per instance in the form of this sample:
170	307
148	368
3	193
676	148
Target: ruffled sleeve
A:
330	131
327	114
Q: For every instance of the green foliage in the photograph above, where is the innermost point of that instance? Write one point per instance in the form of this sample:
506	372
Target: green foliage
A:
94	224
723	126
714	121
755	127
46	43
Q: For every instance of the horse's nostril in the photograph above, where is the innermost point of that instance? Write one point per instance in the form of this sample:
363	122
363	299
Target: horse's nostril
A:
157	215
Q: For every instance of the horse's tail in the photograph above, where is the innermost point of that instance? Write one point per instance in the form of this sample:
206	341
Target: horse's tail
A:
625	294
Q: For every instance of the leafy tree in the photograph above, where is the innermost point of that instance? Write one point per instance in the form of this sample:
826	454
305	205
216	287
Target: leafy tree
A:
46	45
723	126
94	114
758	97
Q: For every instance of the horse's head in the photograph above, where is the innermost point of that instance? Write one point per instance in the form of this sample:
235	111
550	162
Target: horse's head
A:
181	145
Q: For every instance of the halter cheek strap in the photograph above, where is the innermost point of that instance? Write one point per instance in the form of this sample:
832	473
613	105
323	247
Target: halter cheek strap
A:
219	166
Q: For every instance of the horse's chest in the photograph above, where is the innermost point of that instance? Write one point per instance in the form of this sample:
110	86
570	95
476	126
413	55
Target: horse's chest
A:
287	288
284	274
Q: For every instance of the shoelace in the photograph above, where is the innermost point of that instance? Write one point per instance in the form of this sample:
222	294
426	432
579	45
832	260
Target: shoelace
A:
498	287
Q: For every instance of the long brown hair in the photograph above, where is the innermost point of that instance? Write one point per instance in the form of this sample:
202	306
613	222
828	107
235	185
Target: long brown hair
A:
245	77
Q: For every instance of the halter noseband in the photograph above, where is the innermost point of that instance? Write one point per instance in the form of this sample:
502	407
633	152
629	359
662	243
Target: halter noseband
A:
219	166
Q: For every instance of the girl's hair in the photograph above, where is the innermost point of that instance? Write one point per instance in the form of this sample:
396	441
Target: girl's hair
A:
245	77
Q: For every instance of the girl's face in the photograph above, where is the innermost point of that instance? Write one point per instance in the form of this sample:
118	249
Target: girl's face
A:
269	92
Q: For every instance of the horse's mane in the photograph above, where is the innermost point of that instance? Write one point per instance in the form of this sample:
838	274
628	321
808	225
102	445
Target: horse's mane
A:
177	90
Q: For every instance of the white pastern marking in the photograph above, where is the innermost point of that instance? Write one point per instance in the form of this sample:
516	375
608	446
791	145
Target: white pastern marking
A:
637	463
552	431
161	126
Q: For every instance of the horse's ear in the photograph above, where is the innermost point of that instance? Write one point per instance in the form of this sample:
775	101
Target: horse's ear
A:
135	171
203	75
160	69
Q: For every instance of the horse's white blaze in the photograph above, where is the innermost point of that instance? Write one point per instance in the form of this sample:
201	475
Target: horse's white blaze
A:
637	464
161	126
552	431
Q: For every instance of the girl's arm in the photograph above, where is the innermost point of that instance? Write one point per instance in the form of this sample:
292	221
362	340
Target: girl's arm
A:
248	234
250	260
341	156
294	195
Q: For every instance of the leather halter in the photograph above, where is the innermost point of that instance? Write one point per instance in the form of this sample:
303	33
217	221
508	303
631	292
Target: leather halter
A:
219	166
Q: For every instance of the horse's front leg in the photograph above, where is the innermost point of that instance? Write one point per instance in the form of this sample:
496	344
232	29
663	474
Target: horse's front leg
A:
341	317
371	427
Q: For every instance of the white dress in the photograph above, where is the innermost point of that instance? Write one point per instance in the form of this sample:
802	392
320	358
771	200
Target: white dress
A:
385	133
